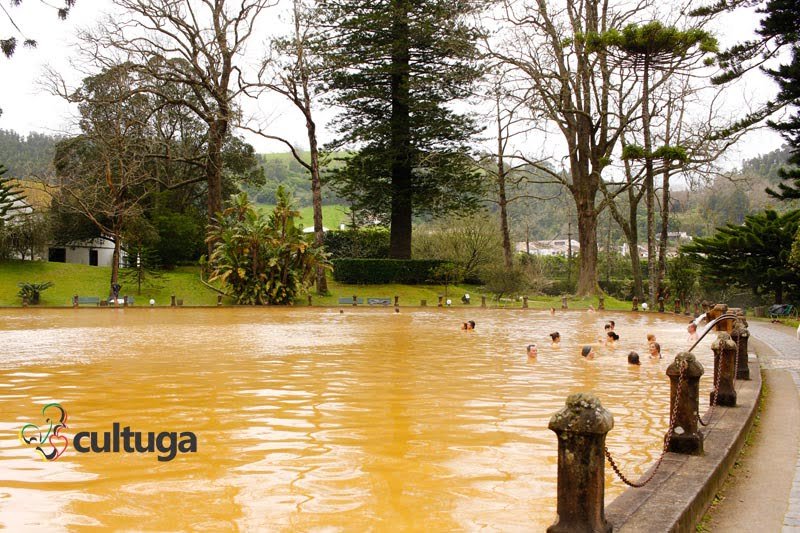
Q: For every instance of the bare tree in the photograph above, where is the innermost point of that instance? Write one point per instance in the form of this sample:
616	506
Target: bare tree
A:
197	44
293	78
572	86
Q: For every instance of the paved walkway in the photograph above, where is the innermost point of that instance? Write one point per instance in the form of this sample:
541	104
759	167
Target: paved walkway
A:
786	357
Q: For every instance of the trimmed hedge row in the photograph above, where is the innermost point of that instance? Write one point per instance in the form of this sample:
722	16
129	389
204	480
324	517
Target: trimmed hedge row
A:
377	271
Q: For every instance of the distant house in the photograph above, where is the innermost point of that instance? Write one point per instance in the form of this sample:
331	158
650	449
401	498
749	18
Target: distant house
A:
559	247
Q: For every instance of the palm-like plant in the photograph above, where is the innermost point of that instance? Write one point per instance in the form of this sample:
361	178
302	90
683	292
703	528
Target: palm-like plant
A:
263	260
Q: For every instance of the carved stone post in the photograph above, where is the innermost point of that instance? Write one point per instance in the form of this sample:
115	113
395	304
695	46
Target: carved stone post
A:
660	304
219	299
696	308
635	303
677	306
563	302
124	301
524	302
440	301
423	303
355	300
397	301
740	336
581	428
483	301
75	301
724	360
686	306
685	437
172	300
601	302
310	303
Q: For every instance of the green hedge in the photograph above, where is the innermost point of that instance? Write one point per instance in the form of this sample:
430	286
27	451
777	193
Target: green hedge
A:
377	271
372	243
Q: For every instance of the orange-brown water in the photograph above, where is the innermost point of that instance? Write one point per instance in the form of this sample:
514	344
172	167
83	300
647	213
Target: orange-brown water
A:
308	419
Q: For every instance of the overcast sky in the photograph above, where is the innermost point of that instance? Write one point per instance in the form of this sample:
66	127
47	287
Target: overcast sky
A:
26	107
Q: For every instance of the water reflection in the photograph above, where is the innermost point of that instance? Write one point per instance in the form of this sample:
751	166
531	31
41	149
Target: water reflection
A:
307	419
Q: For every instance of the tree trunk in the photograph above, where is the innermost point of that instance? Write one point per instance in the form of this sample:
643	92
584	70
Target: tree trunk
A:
664	237
652	263
115	258
501	189
400	140
216	139
587	236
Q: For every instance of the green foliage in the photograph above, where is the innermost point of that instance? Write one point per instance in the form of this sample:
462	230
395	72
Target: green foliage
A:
654	41
29	155
259	259
180	236
10	195
448	274
754	255
375	271
501	281
633	151
33	291
9	45
143	269
367	243
682	276
395	67
473	242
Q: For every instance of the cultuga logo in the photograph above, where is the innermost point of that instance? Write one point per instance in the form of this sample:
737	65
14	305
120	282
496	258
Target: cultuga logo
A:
52	445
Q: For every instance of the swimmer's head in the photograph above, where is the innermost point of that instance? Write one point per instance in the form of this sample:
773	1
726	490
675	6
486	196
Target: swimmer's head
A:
692	327
613	336
608	327
471	324
532	350
586	351
633	359
556	336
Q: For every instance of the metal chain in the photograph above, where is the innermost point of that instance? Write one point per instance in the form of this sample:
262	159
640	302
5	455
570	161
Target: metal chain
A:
672	418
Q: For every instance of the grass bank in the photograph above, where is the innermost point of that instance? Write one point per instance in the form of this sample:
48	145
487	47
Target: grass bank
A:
185	283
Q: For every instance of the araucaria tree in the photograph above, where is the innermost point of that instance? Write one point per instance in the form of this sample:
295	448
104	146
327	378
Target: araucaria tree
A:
754	255
263	259
396	67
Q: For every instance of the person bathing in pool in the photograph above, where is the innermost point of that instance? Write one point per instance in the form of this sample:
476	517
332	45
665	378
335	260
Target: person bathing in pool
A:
556	338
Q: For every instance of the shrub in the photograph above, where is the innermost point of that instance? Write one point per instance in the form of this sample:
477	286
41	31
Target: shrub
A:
371	243
376	271
32	291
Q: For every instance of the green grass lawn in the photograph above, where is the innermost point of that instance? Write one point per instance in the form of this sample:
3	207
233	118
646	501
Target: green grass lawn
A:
332	215
184	283
85	280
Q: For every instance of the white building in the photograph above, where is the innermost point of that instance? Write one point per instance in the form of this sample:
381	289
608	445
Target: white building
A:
93	252
559	247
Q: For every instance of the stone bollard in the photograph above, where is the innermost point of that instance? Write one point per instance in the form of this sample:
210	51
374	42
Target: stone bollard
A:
686	306
563	302
660	304
601	302
310	303
440	301
524	302
685	438
635	303
397	301
581	428
483	301
124	301
423	303
172	301
180	302
696	308
219	299
740	336
705	306
677	306
355	300
724	360
75	301
716	312
24	301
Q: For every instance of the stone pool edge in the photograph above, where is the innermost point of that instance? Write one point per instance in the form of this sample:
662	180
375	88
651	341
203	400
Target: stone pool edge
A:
683	489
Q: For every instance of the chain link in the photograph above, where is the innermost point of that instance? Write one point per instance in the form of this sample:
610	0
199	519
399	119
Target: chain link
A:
672	418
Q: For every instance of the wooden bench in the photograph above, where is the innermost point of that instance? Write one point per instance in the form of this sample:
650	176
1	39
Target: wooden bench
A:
85	300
